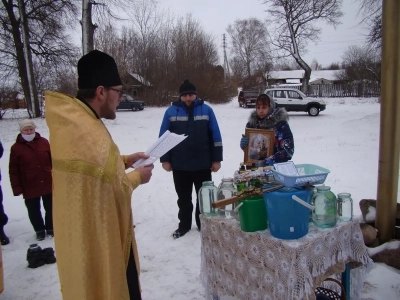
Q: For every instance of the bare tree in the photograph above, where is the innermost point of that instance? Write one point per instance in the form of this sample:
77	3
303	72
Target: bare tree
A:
163	52
333	66
33	103
371	11
88	27
142	47
315	65
8	99
33	31
238	68
102	11
285	64
361	64
295	27
164	67
146	26
66	81
195	57
249	48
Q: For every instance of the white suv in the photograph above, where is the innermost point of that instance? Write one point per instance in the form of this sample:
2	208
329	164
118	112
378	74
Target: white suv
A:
294	100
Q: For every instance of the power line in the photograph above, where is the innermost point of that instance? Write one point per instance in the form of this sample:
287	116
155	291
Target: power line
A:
337	42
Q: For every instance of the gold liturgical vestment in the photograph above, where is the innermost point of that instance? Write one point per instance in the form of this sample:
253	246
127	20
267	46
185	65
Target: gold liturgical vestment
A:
93	227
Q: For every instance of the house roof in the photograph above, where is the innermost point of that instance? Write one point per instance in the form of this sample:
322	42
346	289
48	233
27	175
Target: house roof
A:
320	81
298	74
141	79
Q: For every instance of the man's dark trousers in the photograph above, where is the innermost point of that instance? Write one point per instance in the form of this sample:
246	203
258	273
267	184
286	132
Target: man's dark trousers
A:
184	181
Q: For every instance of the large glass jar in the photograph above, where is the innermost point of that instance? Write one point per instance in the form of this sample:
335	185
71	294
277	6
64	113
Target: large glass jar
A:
207	196
313	192
226	189
345	207
325	213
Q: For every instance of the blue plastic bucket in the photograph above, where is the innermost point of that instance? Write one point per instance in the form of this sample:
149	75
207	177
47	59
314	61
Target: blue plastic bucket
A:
287	218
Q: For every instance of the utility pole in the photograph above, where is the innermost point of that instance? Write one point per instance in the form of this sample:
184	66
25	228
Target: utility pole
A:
226	65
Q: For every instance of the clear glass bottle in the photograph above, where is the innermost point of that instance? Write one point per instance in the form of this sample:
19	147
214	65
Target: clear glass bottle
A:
313	192
325	213
345	207
226	189
207	196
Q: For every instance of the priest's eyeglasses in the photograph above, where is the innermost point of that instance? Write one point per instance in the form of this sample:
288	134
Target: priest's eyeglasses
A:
121	92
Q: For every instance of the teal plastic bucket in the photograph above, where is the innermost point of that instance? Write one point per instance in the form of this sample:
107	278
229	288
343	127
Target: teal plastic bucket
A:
253	214
287	218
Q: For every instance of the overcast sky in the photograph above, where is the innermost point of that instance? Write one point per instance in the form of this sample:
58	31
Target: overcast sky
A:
216	15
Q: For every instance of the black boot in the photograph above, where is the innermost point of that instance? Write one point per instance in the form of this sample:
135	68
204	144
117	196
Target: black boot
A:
34	256
48	255
4	240
179	233
40	235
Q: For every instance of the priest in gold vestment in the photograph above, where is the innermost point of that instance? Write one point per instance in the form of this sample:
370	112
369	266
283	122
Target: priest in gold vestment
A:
95	244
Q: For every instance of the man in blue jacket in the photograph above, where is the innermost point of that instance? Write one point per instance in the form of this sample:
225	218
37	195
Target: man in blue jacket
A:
193	160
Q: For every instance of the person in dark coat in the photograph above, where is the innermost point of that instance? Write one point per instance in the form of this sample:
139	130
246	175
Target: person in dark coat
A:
267	116
193	160
30	175
4	240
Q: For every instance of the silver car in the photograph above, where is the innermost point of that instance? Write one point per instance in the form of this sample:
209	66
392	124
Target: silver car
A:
295	100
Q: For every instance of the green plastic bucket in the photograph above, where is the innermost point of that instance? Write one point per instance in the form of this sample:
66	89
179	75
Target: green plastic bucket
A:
253	214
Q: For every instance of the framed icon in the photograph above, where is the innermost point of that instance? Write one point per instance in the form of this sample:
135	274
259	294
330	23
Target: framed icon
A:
261	145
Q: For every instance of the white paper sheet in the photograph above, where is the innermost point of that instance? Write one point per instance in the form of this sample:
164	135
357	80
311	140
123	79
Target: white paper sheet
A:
164	143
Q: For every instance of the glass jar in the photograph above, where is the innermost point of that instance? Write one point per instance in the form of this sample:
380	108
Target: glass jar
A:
207	196
345	207
226	189
313	192
325	213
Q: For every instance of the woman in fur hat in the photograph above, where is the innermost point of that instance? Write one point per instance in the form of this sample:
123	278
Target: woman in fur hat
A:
267	116
30	175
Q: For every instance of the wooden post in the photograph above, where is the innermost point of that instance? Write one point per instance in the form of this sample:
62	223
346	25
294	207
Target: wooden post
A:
1	272
388	172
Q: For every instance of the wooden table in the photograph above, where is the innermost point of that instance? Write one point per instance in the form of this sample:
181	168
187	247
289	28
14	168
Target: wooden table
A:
255	265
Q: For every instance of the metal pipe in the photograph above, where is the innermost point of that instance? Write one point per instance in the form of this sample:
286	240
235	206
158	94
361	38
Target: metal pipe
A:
389	150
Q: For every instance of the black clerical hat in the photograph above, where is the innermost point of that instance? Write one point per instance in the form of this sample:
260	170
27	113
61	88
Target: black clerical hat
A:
97	68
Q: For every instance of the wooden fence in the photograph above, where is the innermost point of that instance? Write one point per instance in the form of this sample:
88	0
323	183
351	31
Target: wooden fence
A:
364	89
12	104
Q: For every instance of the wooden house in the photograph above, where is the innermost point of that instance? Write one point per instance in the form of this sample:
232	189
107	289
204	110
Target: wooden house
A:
136	85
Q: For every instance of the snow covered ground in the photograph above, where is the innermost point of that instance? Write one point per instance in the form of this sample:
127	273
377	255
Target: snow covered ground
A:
343	139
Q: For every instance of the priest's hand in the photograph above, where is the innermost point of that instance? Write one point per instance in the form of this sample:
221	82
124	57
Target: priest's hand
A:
145	172
216	165
135	157
167	166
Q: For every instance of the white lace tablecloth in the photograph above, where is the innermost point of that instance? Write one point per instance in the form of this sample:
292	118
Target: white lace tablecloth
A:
255	265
